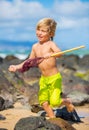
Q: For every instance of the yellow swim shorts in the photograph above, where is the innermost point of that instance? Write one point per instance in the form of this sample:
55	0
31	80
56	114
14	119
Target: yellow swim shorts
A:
50	90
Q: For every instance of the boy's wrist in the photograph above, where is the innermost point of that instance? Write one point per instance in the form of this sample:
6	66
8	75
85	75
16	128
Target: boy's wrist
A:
17	67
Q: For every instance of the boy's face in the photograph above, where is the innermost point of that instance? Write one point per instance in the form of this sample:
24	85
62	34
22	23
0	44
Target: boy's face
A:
43	34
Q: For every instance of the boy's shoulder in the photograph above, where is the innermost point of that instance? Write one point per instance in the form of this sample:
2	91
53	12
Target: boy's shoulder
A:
35	44
52	43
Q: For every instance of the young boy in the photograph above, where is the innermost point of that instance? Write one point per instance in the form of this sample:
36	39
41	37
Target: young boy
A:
51	80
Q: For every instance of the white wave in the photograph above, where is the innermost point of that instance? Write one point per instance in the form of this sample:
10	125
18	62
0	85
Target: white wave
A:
3	55
21	56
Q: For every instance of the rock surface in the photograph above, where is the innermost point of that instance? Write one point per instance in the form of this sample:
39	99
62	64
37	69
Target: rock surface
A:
24	87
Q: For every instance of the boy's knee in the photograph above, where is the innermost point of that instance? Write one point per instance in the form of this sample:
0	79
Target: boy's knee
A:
67	101
45	104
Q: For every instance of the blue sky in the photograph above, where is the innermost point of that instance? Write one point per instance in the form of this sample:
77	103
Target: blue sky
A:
18	19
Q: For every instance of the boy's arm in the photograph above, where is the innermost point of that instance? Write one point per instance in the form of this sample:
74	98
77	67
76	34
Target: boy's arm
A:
14	68
55	49
32	54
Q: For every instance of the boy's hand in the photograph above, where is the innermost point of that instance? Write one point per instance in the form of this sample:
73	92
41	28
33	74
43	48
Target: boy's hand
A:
12	68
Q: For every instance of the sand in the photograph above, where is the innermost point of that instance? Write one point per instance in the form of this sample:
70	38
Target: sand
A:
14	114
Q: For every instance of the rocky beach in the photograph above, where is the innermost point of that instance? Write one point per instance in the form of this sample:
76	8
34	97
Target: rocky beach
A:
19	111
19	91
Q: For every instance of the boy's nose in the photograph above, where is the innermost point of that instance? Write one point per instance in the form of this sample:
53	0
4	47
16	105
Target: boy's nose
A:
40	32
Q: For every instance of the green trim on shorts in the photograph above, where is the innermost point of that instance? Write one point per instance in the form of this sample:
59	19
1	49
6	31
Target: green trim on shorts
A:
50	90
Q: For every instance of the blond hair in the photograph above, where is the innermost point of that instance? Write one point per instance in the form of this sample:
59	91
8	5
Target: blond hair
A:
49	24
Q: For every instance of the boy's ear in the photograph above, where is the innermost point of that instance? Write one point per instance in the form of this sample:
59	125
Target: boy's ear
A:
51	34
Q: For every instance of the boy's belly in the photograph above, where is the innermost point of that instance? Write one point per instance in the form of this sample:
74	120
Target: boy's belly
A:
48	67
49	71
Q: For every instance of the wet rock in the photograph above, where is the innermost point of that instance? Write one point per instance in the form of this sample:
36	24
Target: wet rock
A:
35	123
2	117
5	104
36	108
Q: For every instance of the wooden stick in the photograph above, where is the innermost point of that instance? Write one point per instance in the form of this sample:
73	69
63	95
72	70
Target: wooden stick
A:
69	50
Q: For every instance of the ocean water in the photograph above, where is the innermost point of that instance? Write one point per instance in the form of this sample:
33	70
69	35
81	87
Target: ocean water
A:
19	49
80	52
22	52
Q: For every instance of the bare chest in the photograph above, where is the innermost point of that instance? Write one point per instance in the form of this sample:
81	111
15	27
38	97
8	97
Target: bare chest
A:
42	50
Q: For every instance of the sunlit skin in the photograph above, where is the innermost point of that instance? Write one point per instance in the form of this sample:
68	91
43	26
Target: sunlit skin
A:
45	48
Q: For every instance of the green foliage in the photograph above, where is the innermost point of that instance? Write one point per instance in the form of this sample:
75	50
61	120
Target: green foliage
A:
83	75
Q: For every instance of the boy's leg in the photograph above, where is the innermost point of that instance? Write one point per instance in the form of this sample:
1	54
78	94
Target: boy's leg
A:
48	109
67	102
70	107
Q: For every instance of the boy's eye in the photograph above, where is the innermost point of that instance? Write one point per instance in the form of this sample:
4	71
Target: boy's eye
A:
44	30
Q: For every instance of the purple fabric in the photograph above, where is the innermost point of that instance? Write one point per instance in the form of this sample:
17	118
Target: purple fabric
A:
31	63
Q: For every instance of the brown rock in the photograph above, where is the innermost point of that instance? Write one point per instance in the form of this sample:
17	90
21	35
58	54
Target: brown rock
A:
62	123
